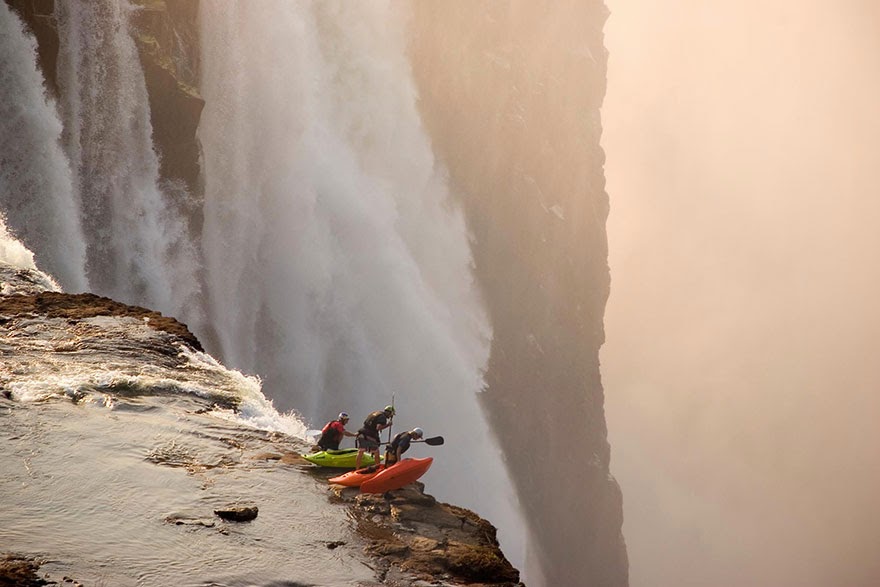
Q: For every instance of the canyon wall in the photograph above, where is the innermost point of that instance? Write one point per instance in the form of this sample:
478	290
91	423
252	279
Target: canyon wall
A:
511	95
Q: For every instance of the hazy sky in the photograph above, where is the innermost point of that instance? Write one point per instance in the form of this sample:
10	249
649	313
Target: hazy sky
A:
741	370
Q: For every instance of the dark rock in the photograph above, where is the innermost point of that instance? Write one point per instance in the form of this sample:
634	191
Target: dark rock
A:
238	513
167	38
82	306
19	571
415	538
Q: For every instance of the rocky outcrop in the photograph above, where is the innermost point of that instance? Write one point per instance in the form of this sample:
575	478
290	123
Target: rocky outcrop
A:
406	536
19	571
75	307
416	540
410	533
511	94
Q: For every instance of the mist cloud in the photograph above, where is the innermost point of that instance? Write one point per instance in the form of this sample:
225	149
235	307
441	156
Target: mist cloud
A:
743	143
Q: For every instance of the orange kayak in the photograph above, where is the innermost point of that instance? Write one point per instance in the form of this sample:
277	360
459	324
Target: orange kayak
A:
397	475
355	478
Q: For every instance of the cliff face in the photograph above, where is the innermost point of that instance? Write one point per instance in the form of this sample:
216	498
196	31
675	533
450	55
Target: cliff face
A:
511	96
168	42
167	38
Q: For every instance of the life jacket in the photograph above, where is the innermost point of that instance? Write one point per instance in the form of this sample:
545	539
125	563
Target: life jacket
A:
372	423
402	440
331	436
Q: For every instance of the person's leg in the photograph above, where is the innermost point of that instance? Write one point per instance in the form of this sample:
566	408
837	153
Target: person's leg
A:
360	445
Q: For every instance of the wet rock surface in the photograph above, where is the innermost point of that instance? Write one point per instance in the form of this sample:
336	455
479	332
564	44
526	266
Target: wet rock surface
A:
19	571
416	540
81	306
238	513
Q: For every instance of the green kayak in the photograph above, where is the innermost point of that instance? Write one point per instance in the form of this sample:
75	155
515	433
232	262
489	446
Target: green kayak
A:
338	459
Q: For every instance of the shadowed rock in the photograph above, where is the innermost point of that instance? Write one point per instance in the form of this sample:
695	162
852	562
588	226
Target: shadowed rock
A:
238	513
19	571
414	537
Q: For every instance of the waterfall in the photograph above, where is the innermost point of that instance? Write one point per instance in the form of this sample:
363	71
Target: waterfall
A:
336	262
338	265
36	183
138	248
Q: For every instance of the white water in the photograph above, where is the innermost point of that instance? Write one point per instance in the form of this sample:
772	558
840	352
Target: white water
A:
36	184
17	259
138	248
337	265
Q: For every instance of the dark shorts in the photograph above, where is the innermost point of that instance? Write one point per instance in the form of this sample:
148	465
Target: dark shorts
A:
329	446
366	442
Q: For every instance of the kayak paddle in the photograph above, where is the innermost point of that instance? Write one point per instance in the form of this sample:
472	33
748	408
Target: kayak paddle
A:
433	441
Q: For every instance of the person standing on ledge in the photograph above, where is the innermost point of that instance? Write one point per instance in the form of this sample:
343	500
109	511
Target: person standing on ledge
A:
368	436
333	433
400	445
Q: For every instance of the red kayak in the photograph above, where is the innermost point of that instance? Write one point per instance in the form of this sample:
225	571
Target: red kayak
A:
355	478
397	475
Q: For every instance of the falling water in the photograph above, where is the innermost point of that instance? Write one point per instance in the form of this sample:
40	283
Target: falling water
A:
337	265
138	248
36	184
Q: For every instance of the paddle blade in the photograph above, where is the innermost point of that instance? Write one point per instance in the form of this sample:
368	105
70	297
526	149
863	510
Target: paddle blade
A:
434	440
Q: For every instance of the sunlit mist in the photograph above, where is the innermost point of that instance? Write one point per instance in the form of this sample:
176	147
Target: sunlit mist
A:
743	142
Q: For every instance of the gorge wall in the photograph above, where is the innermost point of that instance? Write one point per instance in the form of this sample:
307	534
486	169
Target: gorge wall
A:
511	94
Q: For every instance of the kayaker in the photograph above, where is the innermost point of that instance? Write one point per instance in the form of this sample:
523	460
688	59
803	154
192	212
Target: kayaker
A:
400	445
333	432
368	436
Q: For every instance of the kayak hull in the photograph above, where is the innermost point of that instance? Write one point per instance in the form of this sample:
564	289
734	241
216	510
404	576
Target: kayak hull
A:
339	459
356	478
397	475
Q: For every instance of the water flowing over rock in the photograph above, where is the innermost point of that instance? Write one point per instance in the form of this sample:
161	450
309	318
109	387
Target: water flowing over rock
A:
129	436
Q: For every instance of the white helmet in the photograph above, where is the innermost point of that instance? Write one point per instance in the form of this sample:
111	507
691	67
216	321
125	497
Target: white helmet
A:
418	432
